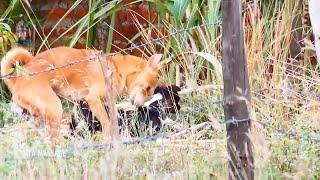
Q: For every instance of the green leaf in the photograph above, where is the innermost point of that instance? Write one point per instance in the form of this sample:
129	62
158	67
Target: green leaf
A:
14	9
178	9
193	16
11	36
19	69
161	8
5	26
213	60
78	33
2	48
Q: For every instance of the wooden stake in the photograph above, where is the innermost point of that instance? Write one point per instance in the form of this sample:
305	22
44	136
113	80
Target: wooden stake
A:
236	92
110	95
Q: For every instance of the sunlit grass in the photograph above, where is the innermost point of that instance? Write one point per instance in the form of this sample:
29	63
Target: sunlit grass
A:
287	101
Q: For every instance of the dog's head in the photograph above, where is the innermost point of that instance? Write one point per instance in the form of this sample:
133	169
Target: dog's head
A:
143	83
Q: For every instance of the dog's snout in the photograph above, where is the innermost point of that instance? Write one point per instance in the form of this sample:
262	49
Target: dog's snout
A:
132	99
138	99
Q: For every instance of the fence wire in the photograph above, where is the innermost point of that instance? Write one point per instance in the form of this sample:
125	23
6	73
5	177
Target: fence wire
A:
248	6
95	57
70	151
65	153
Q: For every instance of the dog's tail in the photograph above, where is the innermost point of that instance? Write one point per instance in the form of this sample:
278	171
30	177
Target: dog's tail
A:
14	55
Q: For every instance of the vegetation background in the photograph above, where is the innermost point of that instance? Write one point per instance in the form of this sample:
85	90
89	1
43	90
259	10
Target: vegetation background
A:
284	85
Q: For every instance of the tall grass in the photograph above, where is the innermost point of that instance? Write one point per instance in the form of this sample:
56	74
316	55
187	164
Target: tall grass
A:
278	101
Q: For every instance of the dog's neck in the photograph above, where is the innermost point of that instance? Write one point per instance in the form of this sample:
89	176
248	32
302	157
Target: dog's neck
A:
124	76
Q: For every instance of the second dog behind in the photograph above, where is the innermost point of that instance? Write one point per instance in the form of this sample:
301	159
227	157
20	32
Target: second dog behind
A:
148	117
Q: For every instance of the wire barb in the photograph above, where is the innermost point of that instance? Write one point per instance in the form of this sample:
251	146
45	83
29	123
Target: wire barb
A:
235	121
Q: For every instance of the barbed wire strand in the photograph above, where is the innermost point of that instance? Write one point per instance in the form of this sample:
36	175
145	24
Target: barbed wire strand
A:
110	144
312	137
82	147
94	58
72	150
153	41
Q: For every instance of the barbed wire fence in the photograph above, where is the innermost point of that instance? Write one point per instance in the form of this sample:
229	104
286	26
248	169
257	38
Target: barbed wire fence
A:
67	152
133	47
95	57
110	144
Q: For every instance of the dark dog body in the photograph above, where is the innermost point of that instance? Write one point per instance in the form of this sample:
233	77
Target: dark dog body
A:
145	117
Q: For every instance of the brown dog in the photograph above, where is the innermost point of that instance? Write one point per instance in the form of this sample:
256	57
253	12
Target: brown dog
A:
39	94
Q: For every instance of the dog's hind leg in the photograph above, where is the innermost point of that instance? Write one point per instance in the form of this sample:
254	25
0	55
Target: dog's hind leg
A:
98	109
53	114
46	105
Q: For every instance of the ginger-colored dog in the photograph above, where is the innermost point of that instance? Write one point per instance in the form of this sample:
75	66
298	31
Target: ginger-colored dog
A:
39	94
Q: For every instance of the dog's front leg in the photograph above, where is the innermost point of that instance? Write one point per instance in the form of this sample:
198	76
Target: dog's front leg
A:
98	110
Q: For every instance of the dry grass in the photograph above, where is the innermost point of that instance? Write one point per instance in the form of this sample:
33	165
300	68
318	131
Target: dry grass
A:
285	101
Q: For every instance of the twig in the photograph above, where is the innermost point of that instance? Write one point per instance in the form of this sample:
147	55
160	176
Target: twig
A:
200	88
193	128
110	95
172	124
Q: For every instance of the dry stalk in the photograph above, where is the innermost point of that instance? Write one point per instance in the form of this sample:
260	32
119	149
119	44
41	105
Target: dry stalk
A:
110	95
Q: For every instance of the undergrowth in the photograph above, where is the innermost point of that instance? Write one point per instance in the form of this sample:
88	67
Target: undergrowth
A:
285	132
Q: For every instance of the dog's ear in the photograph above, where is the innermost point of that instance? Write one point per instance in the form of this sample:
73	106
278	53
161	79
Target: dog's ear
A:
154	60
158	89
174	88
